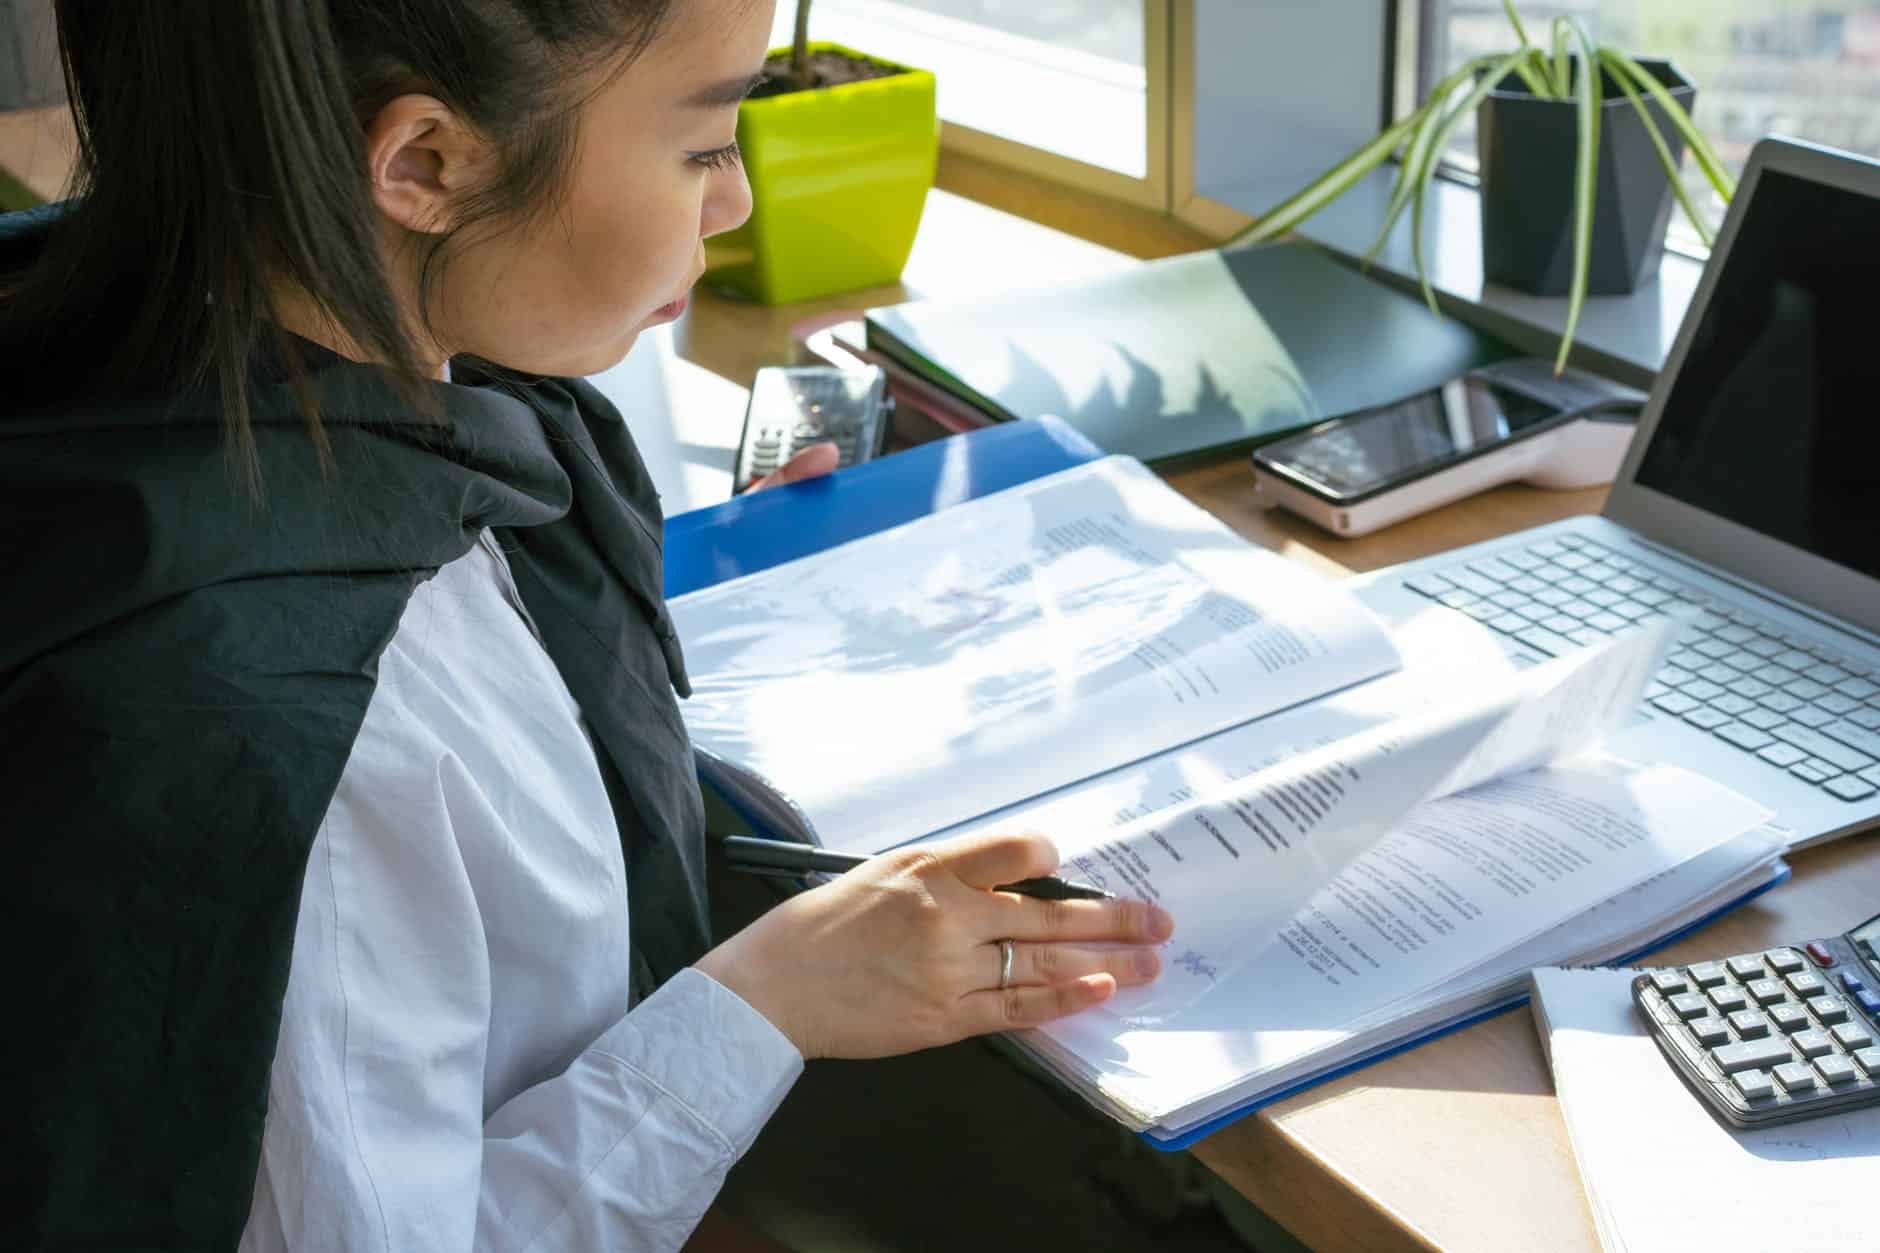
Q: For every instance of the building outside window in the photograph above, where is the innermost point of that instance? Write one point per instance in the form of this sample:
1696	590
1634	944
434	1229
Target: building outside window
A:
1808	69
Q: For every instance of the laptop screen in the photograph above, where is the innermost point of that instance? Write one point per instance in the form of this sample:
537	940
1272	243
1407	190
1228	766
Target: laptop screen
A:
1774	419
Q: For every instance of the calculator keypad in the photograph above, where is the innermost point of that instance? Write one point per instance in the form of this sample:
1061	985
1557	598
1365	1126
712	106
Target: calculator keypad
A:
1771	1036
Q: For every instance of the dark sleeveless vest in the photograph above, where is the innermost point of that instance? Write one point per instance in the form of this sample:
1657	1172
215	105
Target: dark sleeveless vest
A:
182	675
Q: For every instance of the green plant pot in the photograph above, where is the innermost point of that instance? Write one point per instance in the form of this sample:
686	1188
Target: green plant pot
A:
839	176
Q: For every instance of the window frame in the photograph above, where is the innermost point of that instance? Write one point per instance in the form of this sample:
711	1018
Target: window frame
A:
1150	191
1403	40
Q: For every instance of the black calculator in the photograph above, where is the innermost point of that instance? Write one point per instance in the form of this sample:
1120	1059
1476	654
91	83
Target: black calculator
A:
793	407
1776	1036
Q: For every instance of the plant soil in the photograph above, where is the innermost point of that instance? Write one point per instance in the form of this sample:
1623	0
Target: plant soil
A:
826	69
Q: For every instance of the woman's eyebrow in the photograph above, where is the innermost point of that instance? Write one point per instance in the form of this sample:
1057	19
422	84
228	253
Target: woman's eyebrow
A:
721	95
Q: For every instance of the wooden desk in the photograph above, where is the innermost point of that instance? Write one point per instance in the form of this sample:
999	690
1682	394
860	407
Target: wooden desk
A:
1455	1145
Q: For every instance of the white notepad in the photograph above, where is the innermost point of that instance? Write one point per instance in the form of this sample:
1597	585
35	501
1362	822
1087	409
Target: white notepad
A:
1661	1174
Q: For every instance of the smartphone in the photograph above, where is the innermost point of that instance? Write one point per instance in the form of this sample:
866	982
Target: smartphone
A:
1364	470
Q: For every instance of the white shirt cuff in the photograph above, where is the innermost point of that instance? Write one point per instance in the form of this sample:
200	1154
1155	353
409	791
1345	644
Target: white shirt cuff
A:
706	1048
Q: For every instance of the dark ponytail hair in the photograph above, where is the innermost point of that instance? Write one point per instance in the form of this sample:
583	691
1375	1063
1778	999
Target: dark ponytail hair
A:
221	146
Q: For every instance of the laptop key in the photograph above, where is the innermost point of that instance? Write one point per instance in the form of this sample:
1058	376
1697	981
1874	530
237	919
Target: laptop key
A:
1866	718
1829	673
1811	717
1469	581
1809	774
1780	701
1496	569
1748	688
1764	647
1546	641
1837	704
1678	704
1702	689
1612	622
1744	737
1804	689
1428	584
1509	623
1849	787
1732	704
1674	676
1820	745
1784	755
1855	737
1763	719
1706	719
1859	689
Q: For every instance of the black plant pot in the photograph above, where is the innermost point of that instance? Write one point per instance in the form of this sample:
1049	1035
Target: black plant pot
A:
1526	146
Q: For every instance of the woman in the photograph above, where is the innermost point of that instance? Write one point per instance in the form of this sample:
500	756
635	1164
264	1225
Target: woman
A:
362	901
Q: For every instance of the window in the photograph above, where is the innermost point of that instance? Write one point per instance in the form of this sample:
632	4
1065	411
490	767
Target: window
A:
1070	88
1809	69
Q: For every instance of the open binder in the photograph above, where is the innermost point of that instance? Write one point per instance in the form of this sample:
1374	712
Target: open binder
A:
756	533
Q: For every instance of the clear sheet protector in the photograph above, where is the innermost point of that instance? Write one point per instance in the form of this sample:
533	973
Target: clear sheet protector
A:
972	659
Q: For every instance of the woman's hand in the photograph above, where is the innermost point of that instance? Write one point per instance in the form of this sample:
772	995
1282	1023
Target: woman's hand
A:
903	953
812	463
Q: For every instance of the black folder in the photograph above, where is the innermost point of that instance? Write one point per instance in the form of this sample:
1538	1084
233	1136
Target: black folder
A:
1197	353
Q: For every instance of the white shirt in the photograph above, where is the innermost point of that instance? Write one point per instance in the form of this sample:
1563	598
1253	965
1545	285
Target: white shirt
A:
457	1067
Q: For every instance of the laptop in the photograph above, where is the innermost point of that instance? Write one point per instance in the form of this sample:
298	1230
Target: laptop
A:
1750	496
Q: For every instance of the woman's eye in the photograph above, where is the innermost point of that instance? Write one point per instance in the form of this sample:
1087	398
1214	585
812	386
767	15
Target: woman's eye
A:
718	158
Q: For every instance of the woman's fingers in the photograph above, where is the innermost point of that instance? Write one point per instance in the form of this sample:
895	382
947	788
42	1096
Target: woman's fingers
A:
985	861
1060	963
1008	1009
1126	919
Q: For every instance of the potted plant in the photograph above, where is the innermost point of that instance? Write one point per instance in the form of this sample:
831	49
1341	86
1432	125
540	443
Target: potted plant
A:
1578	169
840	149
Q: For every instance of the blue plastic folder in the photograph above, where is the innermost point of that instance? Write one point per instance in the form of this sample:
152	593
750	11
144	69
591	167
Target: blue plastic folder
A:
755	532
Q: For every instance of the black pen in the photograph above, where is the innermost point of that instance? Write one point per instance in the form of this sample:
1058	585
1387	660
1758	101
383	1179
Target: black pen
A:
785	859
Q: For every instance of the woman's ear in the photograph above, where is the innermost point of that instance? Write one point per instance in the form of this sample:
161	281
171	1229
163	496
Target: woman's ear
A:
419	157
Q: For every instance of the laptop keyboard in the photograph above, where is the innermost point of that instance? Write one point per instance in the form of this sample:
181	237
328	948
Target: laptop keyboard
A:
1785	699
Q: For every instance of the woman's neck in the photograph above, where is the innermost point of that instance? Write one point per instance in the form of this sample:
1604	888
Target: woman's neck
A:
304	316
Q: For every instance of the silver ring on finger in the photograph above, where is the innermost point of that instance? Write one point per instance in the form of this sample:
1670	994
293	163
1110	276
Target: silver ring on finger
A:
1005	964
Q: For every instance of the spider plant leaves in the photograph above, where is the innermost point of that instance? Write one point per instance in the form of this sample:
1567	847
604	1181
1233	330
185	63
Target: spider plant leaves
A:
1658	142
1706	156
1548	73
1514	20
1328	187
1563	58
1424	169
1587	100
1423	142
